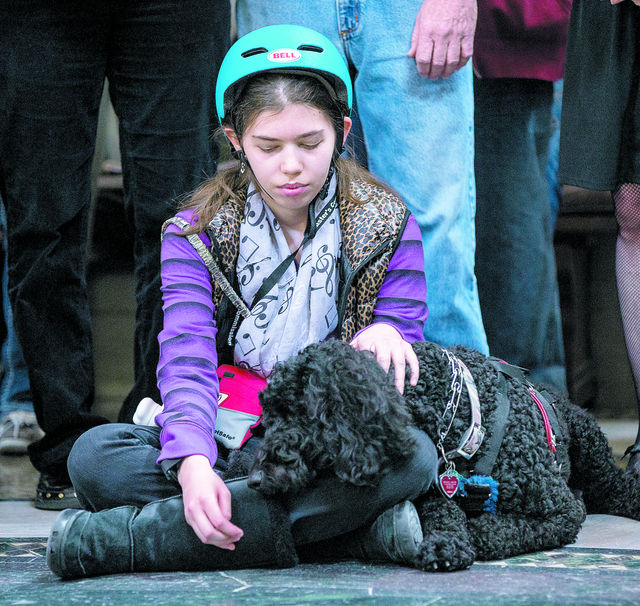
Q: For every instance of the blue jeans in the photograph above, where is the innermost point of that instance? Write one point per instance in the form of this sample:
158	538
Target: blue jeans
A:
515	260
161	59
555	190
15	395
418	136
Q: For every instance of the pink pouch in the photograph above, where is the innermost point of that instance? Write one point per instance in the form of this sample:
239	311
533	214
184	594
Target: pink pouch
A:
239	409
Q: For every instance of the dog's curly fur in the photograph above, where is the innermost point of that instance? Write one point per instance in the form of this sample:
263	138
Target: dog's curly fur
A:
334	409
322	412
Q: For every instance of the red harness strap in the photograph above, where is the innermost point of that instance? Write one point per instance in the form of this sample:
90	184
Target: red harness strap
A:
551	438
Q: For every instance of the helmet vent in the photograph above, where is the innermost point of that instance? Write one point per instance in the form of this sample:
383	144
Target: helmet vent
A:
254	51
311	47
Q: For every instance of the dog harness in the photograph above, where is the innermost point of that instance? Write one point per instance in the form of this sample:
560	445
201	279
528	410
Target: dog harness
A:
542	399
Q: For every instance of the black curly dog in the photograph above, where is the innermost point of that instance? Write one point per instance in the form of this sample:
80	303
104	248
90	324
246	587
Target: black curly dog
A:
333	409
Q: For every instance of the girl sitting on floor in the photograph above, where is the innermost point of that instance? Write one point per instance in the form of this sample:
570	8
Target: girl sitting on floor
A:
312	247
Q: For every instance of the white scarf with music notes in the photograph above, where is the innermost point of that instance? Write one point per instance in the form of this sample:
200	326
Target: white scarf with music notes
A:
301	308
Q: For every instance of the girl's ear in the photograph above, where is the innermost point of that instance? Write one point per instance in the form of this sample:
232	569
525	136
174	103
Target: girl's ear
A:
231	135
347	128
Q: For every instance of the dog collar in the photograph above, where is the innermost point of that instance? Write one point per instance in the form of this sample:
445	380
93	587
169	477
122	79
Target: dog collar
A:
473	437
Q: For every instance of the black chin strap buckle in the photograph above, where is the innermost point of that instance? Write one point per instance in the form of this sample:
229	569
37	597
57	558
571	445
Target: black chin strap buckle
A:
322	194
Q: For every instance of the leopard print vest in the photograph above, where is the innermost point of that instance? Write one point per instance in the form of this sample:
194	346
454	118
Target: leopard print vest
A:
371	232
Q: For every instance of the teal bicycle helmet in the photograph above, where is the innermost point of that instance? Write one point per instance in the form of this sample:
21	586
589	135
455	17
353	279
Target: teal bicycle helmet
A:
289	49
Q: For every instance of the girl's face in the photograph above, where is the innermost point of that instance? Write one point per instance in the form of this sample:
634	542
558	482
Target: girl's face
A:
290	152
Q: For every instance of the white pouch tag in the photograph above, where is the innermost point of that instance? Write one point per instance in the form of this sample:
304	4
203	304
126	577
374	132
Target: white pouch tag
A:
232	426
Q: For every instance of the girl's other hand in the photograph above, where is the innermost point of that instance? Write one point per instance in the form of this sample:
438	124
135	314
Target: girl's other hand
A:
207	503
636	2
389	348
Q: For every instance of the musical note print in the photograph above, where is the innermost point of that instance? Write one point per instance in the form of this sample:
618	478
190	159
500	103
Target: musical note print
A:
288	296
326	264
260	313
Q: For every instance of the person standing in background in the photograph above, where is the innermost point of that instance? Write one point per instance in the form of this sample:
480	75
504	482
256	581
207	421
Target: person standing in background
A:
18	424
161	59
518	54
414	96
600	141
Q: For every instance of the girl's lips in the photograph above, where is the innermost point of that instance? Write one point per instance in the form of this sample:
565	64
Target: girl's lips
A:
292	189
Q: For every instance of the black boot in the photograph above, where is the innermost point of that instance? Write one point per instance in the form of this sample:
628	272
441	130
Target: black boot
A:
395	536
158	538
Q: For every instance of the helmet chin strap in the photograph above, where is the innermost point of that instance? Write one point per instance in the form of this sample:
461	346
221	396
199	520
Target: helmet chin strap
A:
312	226
322	194
240	155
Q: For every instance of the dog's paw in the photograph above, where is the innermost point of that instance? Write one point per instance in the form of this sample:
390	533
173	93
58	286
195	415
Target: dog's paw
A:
444	552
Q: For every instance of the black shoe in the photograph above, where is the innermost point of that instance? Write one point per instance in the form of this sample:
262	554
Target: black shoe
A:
55	494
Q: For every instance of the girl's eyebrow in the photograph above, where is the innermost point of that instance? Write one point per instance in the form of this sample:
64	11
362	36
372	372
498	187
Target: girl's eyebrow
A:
302	136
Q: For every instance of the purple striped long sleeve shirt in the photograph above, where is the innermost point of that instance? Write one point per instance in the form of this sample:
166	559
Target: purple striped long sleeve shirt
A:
188	359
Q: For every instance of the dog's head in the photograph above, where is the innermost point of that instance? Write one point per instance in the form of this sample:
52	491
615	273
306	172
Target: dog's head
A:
330	409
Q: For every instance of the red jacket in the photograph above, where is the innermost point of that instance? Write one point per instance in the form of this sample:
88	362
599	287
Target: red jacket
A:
521	38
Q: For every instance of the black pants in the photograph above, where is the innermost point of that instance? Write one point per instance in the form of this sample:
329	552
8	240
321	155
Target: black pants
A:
515	260
161	59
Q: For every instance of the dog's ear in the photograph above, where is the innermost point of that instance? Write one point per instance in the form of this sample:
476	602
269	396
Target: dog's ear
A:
363	420
360	463
281	464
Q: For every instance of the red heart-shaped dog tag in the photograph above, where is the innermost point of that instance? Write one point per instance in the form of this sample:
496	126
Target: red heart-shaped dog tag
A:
449	482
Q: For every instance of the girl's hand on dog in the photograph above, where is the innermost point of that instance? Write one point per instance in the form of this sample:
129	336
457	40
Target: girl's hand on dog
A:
207	503
389	348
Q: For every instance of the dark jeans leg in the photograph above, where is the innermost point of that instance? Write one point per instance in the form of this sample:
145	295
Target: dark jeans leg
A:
331	507
162	73
515	260
52	64
114	465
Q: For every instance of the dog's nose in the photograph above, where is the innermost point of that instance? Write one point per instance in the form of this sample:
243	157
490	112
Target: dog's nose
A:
254	480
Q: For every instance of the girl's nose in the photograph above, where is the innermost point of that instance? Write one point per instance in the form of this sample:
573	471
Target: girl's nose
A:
291	164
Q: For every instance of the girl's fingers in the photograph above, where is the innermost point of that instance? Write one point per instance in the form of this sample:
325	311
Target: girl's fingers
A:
383	355
414	365
399	367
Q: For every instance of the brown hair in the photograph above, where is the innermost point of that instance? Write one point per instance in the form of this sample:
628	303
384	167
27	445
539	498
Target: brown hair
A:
273	92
